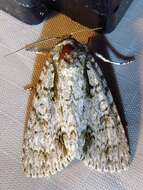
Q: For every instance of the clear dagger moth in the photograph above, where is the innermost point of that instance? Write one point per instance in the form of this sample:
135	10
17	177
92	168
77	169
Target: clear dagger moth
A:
73	116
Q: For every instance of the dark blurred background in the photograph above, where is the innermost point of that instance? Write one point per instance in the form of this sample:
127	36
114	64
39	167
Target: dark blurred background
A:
91	13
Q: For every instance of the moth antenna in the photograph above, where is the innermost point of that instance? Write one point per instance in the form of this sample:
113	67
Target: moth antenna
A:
32	44
14	52
112	62
53	38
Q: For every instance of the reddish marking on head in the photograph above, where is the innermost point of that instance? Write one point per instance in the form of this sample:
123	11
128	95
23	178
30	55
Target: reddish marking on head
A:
67	49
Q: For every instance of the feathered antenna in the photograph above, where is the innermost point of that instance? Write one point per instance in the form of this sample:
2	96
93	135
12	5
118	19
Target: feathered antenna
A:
53	38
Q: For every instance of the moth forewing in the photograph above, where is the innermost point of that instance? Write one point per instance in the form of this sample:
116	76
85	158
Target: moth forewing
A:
106	149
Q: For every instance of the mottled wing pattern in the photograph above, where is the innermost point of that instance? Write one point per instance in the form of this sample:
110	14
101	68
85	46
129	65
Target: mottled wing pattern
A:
73	116
50	137
105	148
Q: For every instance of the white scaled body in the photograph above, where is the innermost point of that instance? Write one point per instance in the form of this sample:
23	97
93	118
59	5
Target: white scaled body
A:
73	116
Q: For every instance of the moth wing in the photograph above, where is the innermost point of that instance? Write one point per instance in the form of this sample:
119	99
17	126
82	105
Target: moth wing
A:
49	143
106	148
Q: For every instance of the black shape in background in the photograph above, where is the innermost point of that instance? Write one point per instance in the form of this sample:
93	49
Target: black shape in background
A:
91	13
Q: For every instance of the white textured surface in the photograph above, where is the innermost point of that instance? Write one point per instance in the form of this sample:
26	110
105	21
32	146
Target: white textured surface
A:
16	71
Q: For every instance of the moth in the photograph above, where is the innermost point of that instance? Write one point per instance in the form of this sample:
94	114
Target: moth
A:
73	116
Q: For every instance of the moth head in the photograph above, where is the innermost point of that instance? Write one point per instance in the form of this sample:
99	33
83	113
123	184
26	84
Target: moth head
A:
68	47
66	39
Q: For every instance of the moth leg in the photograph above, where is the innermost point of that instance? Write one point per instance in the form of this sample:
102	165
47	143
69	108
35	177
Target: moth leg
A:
37	50
106	148
112	62
29	88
